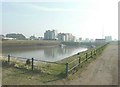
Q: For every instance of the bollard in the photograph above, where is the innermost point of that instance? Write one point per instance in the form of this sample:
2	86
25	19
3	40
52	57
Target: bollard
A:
66	69
32	63
8	58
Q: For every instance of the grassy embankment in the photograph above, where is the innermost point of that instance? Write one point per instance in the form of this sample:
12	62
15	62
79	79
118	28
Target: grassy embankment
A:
16	72
27	44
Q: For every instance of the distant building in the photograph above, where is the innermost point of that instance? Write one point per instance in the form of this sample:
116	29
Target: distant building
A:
91	40
2	36
66	37
74	39
33	37
80	39
108	38
87	40
40	38
62	37
50	35
100	40
77	40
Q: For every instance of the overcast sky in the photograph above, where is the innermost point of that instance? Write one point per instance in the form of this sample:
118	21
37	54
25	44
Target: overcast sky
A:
83	18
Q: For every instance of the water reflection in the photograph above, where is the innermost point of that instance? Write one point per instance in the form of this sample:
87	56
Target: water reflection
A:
47	54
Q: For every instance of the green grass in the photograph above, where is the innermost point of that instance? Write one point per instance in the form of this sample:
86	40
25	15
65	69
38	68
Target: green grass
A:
44	75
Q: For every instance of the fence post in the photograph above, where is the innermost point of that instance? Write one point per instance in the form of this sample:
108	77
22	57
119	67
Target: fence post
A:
66	69
8	58
86	56
94	52
91	54
79	60
32	63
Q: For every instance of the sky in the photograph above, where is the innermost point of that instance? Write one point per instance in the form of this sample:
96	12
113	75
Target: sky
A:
83	18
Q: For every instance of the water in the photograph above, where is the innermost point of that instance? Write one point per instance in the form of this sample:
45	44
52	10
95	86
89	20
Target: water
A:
51	54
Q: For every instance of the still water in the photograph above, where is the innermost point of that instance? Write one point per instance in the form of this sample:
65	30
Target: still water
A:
51	54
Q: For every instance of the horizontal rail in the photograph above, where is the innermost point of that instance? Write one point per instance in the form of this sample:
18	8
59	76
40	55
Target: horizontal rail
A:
73	67
73	61
83	56
20	57
34	59
48	61
84	60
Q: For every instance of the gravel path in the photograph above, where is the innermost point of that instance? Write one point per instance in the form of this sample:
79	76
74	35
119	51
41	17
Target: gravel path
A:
102	71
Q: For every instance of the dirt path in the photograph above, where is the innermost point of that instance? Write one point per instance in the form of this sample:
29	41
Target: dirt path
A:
102	71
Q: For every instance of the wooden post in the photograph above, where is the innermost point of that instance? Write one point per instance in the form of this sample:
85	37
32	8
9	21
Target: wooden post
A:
32	63
79	60
94	52
91	54
86	56
66	69
8	58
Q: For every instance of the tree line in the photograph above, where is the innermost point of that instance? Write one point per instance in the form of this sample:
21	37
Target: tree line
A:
16	36
19	37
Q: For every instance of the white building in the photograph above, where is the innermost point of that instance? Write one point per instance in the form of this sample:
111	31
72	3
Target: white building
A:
66	37
50	35
108	38
61	37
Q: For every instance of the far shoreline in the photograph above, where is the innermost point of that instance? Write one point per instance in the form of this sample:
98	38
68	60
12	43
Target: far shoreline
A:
33	44
27	44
